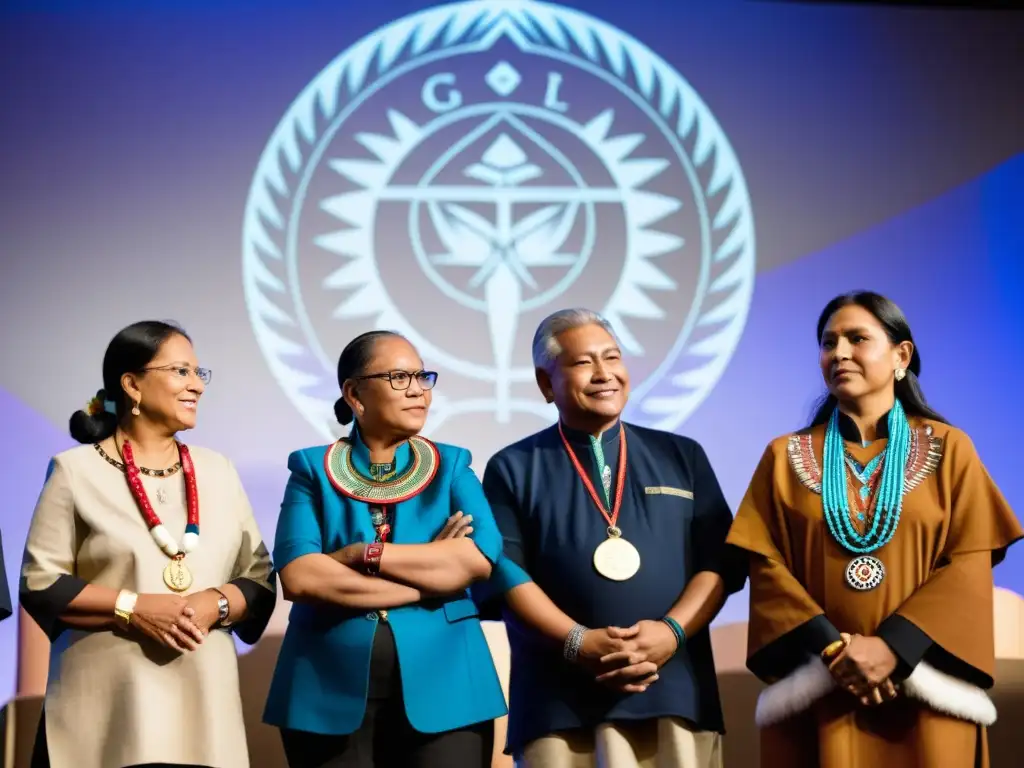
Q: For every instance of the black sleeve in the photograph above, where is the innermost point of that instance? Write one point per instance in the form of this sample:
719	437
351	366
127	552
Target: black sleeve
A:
259	603
5	591
46	606
711	522
253	573
912	645
908	642
48	580
792	650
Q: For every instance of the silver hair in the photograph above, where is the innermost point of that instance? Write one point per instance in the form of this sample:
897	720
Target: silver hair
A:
546	348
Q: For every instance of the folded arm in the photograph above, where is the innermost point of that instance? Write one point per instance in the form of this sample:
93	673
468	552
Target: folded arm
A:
438	568
449	566
307	574
318	578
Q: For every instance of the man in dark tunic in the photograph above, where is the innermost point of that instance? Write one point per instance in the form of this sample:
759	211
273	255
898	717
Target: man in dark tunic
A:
614	565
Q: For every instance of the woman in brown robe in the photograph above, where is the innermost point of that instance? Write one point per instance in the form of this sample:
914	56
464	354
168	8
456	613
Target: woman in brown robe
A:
878	654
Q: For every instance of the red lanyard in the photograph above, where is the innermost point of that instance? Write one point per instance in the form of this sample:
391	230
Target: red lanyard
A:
620	480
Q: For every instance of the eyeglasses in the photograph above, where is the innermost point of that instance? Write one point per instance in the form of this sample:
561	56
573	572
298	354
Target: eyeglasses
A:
401	380
203	374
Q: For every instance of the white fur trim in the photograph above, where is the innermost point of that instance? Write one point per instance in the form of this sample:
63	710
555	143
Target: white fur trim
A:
807	684
793	693
949	695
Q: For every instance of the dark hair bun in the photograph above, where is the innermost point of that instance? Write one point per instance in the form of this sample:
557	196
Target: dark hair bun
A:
343	412
352	362
92	428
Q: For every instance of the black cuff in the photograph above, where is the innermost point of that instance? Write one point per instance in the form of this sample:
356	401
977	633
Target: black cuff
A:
907	641
6	609
259	607
734	568
491	608
778	659
46	606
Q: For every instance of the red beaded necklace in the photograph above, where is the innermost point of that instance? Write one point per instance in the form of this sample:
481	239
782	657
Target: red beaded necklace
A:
176	575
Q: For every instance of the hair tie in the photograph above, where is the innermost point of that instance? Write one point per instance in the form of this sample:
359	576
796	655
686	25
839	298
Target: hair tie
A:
97	405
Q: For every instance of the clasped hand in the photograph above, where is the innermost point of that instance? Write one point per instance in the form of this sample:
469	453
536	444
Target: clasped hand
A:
628	659
863	668
176	622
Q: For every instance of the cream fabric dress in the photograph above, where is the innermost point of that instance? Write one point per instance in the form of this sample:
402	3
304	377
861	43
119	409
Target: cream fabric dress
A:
117	699
666	742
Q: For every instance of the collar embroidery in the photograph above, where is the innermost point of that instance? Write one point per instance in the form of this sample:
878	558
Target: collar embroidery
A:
925	455
348	481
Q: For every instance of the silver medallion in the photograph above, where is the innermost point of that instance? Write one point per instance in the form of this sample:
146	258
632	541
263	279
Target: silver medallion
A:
864	573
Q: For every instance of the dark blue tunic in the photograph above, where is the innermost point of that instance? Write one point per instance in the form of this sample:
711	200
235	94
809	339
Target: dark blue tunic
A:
673	512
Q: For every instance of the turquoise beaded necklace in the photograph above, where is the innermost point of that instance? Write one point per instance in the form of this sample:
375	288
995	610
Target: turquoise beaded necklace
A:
889	498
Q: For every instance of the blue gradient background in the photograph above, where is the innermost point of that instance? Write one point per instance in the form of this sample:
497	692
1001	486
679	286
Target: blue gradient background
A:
883	148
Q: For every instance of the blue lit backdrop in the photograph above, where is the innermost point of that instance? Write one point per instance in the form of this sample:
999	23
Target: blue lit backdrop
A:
281	178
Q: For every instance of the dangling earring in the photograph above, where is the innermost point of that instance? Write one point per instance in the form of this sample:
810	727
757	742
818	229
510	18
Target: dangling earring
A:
136	411
900	374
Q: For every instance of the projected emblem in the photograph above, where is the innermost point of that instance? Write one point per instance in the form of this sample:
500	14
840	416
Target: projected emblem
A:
464	171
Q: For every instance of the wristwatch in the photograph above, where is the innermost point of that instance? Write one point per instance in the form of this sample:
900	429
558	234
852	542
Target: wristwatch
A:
223	609
124	605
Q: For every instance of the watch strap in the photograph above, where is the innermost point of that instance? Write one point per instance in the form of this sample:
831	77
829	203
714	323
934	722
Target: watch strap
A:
124	605
223	609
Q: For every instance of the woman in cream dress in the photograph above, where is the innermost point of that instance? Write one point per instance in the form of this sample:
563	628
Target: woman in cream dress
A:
142	559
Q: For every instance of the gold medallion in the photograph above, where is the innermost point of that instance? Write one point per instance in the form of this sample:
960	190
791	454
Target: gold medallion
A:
177	576
616	559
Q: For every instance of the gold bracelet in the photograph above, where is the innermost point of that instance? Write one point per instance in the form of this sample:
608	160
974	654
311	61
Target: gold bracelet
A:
832	649
124	605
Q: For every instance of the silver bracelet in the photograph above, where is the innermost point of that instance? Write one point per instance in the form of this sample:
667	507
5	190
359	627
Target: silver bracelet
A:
573	642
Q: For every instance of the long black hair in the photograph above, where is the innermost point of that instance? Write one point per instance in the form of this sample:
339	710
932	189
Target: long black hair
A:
131	350
892	319
353	361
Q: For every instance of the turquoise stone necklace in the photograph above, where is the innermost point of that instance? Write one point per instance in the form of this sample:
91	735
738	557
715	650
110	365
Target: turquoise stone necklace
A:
865	572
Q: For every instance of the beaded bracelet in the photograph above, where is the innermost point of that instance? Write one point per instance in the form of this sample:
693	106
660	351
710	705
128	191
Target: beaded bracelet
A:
677	630
573	642
371	558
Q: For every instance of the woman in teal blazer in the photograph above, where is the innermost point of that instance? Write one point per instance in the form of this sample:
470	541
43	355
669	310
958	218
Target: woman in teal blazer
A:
384	662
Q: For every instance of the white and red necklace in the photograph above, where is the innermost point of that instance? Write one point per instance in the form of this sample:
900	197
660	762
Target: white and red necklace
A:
176	575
